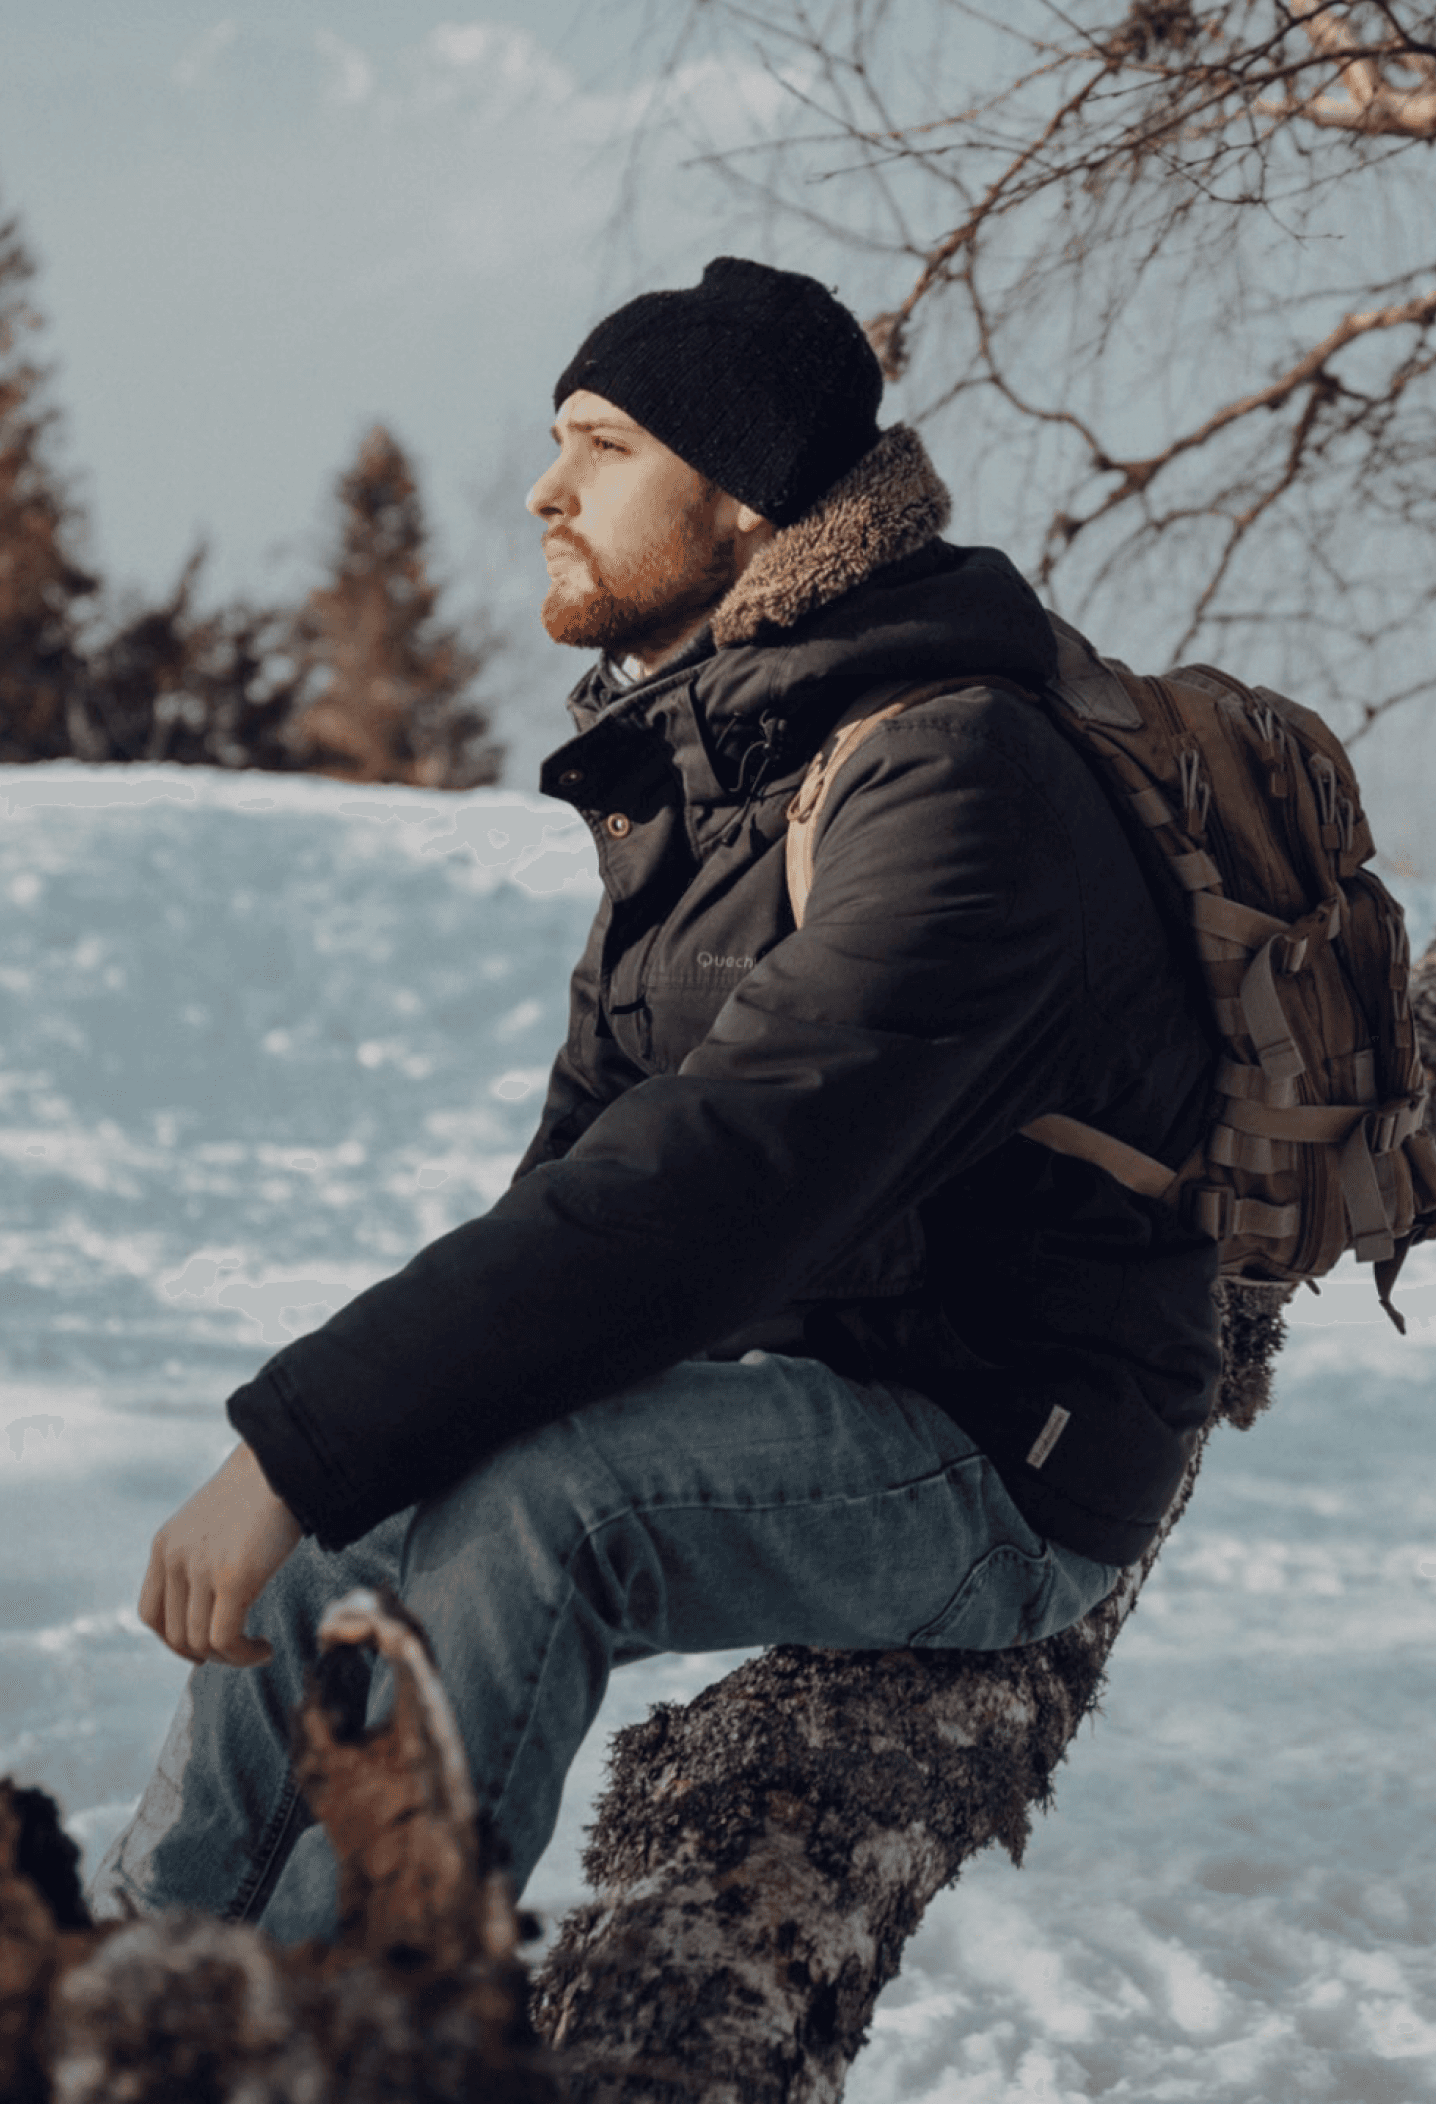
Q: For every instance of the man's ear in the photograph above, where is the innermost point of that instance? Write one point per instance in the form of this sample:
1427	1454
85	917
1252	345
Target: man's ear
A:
749	520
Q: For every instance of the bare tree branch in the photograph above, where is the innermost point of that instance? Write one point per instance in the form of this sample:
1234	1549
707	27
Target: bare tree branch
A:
1372	102
1310	371
1160	280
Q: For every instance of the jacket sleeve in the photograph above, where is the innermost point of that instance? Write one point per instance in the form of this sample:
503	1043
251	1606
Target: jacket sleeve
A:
920	1015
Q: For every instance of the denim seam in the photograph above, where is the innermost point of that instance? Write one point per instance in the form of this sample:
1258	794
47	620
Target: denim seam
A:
975	1462
978	1575
269	1856
608	1519
639	1508
526	1718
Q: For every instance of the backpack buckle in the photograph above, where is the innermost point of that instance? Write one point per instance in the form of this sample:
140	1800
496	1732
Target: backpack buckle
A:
1209	1210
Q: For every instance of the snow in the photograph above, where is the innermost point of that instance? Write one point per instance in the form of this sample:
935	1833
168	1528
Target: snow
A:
264	1037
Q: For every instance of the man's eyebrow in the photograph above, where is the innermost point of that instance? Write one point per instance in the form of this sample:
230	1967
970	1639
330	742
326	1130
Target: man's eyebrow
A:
593	423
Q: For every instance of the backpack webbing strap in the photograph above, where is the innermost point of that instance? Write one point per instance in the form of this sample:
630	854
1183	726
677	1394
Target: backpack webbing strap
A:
1387	1270
1366	1204
1138	1171
1319	1122
1248	1084
1218	1212
803	812
1213	913
1265	1019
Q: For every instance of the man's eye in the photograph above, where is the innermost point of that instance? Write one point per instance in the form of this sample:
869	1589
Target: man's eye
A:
607	445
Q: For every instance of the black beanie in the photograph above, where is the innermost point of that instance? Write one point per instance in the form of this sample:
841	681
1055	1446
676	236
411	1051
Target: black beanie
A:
758	378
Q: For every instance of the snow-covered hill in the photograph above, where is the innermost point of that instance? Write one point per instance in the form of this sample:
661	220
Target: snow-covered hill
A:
262	1038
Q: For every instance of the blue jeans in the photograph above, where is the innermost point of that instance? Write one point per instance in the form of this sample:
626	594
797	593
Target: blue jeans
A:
721	1504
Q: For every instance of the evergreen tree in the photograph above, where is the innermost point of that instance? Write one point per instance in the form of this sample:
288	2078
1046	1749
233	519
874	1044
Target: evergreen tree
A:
208	690
40	579
387	687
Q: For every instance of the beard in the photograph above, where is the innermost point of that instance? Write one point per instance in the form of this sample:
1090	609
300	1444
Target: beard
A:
623	607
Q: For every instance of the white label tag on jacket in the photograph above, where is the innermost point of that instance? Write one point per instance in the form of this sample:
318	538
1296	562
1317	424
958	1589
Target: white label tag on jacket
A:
1048	1437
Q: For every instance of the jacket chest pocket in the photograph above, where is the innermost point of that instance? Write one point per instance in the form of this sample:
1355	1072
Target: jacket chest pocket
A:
662	1020
680	1016
668	986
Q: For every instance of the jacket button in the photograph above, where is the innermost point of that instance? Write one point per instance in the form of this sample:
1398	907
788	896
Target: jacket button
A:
569	776
618	825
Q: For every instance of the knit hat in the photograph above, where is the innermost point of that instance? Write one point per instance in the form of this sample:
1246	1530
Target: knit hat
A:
758	378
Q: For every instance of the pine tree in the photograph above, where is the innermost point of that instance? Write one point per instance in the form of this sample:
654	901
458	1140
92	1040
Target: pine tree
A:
209	690
390	685
40	579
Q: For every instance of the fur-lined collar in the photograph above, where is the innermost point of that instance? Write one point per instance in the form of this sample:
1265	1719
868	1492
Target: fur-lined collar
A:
891	504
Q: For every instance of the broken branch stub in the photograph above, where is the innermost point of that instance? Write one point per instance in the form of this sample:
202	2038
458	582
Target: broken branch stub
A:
396	1803
422	1998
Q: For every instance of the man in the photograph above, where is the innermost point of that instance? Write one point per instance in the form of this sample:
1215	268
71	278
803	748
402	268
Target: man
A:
782	1332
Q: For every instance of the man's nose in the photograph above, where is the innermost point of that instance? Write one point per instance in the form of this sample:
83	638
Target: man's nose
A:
549	498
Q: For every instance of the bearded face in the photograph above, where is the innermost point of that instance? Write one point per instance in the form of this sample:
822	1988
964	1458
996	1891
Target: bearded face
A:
640	547
633	601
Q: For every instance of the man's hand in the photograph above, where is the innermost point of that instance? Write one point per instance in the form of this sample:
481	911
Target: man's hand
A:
210	1563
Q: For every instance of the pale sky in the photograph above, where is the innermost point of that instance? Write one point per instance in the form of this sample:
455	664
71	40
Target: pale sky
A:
263	228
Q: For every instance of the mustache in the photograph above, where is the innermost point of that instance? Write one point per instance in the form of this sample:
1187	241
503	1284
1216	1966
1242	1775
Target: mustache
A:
558	538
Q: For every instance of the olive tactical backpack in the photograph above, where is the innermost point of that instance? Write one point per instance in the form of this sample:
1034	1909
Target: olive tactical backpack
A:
1245	814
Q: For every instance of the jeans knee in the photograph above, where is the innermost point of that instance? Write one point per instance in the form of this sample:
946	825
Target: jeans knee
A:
514	1519
617	1570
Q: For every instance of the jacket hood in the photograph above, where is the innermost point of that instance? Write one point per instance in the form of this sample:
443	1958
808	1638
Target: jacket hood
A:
858	591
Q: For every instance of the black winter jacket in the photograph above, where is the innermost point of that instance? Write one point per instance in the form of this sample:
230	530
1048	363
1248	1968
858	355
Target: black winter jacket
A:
808	1139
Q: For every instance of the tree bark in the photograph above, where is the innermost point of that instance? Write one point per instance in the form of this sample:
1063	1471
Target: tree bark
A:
762	1855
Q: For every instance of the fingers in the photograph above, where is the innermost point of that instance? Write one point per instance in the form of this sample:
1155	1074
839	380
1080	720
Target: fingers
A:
164	1599
172	1630
199	1613
227	1639
179	1615
152	1592
210	1562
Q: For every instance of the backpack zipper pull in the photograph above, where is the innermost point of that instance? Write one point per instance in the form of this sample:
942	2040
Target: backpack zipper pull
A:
1196	792
1273	737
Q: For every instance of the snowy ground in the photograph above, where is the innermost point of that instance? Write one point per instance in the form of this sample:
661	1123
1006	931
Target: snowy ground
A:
261	1039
